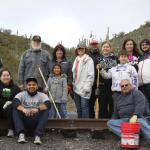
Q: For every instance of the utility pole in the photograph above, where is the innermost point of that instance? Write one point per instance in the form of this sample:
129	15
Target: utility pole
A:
107	35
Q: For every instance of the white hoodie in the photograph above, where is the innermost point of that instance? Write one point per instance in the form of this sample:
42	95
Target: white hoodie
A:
120	72
83	82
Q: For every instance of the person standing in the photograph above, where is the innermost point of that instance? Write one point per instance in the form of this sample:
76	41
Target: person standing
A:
130	46
59	57
83	78
143	72
121	71
107	60
94	54
30	62
57	84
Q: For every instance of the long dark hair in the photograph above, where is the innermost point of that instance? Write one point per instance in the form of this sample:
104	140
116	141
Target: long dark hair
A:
135	49
62	48
1	72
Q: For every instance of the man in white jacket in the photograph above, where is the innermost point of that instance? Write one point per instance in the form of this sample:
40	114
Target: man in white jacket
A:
83	78
143	72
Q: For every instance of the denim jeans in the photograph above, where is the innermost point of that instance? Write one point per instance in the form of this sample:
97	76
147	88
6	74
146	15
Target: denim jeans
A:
35	123
115	126
62	111
82	106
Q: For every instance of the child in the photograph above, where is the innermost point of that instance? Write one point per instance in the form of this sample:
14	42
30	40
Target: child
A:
120	72
57	84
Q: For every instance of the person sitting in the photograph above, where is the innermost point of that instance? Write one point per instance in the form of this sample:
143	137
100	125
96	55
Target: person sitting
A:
130	106
30	111
8	90
143	73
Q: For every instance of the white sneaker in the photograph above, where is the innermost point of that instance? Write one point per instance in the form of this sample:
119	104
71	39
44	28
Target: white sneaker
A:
37	140
21	138
10	133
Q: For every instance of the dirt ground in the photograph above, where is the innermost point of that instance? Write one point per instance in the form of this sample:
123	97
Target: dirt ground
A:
54	140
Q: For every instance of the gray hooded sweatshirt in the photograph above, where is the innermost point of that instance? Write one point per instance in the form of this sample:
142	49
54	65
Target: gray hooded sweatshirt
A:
58	88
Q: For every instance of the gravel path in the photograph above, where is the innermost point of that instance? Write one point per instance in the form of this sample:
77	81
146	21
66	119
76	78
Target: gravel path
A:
54	140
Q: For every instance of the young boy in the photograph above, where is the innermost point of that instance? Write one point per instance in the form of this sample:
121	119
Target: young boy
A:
122	71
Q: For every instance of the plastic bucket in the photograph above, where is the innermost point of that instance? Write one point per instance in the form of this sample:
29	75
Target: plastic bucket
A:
130	135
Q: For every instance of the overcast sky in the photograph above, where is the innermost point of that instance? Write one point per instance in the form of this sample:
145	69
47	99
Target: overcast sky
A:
68	20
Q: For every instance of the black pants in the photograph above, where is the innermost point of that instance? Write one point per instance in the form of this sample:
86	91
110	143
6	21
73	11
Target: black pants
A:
105	103
92	103
35	123
145	89
6	114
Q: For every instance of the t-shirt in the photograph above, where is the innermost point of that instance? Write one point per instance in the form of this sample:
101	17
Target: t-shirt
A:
29	101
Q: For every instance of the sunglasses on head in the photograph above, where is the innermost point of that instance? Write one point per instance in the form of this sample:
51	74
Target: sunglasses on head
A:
125	85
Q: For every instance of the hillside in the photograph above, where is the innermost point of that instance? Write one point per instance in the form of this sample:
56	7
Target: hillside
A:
138	34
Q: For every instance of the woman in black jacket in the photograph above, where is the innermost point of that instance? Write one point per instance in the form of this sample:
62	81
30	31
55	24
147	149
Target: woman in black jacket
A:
8	91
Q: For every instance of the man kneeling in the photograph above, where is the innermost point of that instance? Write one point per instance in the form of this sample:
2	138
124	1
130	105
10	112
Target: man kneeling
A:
130	106
30	111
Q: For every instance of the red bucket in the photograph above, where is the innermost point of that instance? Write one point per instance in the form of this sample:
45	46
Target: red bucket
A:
130	135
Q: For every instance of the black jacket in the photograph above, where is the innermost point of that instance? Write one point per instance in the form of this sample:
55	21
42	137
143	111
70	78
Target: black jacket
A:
8	92
95	56
107	63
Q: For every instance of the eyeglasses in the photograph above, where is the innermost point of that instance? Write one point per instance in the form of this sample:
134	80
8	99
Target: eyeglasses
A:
125	85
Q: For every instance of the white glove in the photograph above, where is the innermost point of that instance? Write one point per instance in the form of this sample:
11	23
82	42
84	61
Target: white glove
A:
133	119
7	104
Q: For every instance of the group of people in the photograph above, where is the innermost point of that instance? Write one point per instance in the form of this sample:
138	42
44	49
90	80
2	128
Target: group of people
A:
27	105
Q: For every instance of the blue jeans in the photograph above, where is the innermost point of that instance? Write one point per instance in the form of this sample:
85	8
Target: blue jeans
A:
115	126
62	111
82	106
35	123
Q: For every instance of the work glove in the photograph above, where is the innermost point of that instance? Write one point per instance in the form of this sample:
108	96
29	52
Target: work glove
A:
133	119
7	104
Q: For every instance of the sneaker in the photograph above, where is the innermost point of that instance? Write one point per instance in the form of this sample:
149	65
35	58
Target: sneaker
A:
21	138
10	133
37	140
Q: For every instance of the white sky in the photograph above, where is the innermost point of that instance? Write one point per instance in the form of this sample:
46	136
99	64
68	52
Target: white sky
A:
68	20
